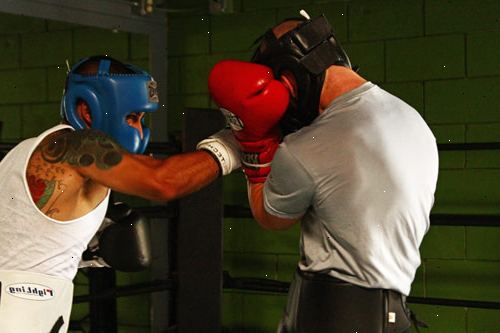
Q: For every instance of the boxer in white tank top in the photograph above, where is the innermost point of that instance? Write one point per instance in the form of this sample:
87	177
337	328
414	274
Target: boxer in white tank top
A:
55	187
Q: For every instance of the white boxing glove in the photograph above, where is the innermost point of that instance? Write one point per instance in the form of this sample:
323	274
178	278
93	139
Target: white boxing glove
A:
224	147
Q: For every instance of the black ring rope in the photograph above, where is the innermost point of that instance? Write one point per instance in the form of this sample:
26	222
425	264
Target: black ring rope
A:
237	211
261	285
172	147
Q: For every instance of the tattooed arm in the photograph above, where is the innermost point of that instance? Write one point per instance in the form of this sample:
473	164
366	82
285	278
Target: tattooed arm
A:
96	157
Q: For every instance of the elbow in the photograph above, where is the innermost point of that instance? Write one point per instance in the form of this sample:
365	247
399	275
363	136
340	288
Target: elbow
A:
272	223
163	191
167	194
274	226
267	226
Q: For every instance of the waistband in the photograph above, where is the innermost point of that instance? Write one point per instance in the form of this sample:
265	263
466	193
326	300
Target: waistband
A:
324	277
318	302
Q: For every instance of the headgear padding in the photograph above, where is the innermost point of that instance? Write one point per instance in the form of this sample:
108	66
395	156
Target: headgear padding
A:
111	97
306	52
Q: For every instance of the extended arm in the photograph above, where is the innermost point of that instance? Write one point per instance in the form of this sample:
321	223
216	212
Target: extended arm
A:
159	180
97	157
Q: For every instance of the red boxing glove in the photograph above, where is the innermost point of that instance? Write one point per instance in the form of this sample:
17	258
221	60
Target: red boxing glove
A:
253	102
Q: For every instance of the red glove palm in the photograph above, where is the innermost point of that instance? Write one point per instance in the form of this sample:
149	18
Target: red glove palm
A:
253	102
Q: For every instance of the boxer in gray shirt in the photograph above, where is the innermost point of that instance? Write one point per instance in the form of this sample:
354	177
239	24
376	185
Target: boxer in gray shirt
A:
362	177
355	165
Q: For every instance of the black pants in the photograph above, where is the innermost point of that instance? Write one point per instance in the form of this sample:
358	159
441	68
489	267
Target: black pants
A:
318	303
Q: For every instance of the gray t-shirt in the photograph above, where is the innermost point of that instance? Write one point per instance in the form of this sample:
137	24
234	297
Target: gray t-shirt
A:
363	175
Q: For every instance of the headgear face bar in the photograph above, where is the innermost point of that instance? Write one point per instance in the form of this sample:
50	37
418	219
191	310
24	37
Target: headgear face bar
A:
111	97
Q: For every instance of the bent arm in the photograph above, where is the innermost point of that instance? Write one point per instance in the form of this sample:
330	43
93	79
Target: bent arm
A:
98	158
265	220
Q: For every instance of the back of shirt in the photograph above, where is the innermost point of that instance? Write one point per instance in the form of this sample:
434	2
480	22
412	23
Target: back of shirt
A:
29	240
364	174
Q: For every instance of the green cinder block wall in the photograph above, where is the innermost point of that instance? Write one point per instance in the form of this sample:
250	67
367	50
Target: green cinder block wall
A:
440	56
32	67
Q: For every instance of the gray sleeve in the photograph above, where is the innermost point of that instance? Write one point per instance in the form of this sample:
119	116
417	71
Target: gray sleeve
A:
289	189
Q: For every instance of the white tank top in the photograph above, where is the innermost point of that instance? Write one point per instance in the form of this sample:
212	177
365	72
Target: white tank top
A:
29	240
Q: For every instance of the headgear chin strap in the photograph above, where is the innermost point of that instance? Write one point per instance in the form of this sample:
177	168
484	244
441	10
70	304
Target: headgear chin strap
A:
111	97
306	52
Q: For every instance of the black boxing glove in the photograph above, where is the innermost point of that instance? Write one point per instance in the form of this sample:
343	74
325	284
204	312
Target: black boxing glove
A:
122	242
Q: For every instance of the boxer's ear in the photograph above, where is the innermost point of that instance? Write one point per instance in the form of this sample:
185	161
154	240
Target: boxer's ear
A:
289	82
83	111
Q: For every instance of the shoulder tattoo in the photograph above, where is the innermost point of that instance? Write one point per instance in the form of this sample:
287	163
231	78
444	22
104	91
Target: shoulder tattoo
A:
83	148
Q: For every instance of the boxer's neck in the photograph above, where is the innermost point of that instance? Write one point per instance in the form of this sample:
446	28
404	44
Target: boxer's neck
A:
338	81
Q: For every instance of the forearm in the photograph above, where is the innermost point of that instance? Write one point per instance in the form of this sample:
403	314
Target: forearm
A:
187	173
265	220
157	179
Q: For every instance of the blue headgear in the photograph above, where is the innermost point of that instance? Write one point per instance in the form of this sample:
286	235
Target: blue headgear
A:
111	97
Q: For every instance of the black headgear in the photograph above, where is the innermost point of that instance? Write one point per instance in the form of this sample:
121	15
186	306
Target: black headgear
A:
306	51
